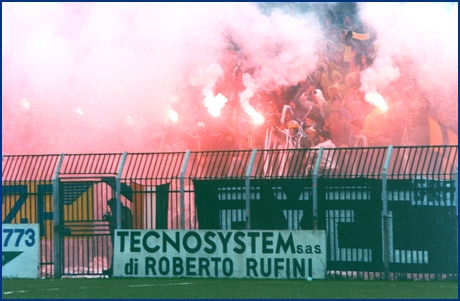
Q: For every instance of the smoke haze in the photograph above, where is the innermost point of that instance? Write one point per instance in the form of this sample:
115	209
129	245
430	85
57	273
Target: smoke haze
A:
102	77
418	44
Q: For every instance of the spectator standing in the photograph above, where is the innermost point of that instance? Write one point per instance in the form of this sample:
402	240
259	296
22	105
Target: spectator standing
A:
313	133
296	138
336	105
200	138
328	160
298	109
111	217
337	126
337	63
273	123
320	102
295	160
312	116
357	137
417	128
336	91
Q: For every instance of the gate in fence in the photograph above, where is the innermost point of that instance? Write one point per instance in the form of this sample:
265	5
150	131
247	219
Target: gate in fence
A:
389	213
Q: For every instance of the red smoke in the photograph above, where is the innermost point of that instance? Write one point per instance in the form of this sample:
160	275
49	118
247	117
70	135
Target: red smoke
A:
103	77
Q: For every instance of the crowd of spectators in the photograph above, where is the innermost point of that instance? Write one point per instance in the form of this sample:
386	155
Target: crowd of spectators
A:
327	106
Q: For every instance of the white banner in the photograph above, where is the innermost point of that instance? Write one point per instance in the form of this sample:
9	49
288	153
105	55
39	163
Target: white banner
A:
220	254
20	250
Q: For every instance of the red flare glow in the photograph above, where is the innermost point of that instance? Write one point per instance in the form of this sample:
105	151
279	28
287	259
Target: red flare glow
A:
377	100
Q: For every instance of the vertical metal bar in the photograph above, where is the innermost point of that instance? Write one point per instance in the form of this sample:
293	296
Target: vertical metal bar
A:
22	174
150	171
16	169
163	165
118	189
386	228
182	189
128	164
57	221
114	163
315	187
6	170
248	189
456	190
214	165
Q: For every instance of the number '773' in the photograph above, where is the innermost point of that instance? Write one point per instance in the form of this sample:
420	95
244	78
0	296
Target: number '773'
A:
16	235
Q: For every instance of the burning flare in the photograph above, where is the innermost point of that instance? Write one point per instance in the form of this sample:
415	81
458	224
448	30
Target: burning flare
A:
257	118
173	116
246	95
215	103
377	100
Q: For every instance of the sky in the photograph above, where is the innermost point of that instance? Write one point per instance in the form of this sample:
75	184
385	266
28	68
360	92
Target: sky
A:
102	77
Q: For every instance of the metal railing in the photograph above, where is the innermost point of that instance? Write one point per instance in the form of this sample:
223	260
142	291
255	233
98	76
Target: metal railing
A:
384	190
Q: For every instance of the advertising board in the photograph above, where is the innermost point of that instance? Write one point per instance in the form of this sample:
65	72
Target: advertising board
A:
220	254
20	250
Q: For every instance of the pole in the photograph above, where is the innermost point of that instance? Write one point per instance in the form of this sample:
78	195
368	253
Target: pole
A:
57	221
118	188
248	189
315	188
456	190
386	224
182	189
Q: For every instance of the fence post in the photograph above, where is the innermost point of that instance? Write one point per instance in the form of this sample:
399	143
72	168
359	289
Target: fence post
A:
182	190
456	190
118	188
248	189
386	224
315	187
57	220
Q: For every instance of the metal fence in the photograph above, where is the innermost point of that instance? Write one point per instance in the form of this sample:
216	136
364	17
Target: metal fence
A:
389	212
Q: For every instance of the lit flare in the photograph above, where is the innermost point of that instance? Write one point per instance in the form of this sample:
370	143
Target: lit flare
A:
257	118
173	116
214	104
377	100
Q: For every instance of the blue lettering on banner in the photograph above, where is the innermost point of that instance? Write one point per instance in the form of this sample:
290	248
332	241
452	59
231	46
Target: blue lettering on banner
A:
15	236
20	250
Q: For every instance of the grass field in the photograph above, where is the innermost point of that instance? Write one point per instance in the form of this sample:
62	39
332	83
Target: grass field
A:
187	288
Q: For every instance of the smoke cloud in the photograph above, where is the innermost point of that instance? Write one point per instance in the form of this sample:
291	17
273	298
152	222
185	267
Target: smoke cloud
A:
418	47
103	77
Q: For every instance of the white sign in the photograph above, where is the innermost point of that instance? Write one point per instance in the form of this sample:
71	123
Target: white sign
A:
220	254
20	250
